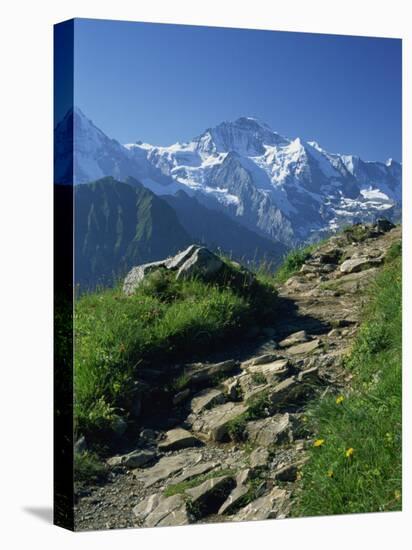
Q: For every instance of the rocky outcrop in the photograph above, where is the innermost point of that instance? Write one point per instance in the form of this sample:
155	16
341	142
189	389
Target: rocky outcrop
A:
194	262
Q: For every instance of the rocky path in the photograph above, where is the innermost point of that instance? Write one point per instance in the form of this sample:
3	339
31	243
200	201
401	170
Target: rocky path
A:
238	439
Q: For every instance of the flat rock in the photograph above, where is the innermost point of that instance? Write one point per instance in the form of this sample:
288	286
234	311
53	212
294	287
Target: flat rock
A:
214	422
194	471
265	507
271	371
268	431
135	459
260	360
306	347
167	467
359	264
207	399
178	439
295	338
169	511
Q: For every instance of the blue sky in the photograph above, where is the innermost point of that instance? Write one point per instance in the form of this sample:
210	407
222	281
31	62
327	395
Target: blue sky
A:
167	83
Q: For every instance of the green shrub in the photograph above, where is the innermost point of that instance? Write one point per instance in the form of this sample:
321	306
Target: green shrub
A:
88	468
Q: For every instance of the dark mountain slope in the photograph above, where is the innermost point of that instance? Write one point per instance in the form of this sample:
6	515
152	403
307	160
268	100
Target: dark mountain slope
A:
219	231
117	226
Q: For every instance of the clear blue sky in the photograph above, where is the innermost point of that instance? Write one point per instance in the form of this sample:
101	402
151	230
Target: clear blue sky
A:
167	83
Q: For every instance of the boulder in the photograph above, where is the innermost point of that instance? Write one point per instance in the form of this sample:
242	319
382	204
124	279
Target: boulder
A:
206	399
178	439
194	262
137	274
359	264
208	497
202	264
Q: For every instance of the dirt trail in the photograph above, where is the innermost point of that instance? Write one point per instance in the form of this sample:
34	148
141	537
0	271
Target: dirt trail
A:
238	439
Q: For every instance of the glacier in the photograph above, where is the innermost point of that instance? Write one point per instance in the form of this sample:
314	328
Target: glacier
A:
290	190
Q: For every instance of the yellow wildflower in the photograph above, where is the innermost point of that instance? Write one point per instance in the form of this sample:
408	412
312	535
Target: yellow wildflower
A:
339	399
330	473
397	495
319	443
349	452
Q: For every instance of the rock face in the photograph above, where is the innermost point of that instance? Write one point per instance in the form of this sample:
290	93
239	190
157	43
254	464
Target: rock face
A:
194	262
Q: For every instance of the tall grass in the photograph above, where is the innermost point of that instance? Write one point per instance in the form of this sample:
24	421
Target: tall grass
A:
356	465
165	320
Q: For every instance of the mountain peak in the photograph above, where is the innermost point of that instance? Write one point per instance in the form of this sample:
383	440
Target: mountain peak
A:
246	135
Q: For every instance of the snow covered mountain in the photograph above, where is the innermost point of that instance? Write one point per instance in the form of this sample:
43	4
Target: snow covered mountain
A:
287	189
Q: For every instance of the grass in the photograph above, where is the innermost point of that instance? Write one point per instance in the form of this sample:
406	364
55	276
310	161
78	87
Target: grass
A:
88	467
292	262
164	321
356	464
